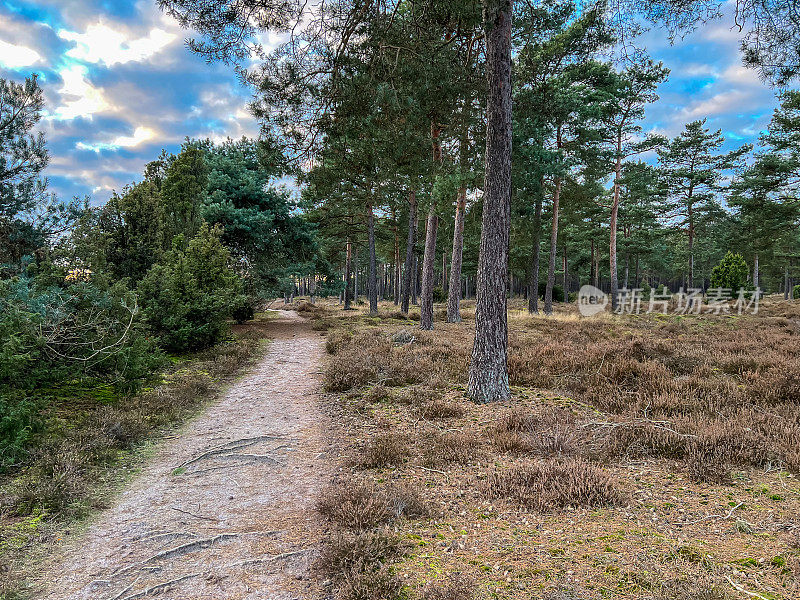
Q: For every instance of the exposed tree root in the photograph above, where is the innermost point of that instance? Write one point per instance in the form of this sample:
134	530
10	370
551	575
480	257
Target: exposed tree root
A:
265	559
229	447
159	587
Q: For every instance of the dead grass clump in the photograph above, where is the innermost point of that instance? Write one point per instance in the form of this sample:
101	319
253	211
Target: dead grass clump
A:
405	501
122	428
380	584
55	482
440	409
566	591
794	539
347	552
511	442
544	431
358	505
232	356
383	450
532	418
336	340
455	447
354	504
455	587
552	484
189	389
636	439
705	463
370	357
377	393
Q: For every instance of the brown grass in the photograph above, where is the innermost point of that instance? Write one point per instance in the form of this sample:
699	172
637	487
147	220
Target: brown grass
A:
691	418
383	450
358	505
454	447
553	484
346	552
455	587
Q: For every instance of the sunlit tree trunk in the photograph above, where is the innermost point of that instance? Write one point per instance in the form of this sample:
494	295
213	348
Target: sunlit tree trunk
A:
533	275
408	268
428	275
551	268
454	293
612	251
488	373
373	264
348	267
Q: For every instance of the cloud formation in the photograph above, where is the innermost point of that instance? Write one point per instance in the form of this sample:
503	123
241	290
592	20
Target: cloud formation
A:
120	86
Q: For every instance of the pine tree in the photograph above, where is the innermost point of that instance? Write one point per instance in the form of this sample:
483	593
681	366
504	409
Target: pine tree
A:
694	170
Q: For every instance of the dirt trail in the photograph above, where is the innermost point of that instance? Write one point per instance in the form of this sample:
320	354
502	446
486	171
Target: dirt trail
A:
223	511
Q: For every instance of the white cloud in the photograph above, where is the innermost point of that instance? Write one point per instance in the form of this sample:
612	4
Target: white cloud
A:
86	99
102	44
15	57
140	135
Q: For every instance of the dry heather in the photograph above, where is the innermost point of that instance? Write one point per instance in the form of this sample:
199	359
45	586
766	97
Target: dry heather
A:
552	484
639	458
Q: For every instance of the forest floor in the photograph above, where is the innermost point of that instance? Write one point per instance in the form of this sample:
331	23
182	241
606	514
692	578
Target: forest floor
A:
640	457
223	510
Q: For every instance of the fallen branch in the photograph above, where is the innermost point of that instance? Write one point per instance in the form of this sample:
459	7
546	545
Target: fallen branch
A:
710	517
741	589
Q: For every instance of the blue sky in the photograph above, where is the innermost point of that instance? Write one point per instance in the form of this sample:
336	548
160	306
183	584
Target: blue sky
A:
120	85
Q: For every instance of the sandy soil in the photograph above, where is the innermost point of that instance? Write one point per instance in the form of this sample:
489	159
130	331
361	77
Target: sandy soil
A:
223	510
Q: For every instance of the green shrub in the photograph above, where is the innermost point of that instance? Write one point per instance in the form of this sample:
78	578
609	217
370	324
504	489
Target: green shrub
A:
50	335
19	420
439	295
730	273
796	291
189	296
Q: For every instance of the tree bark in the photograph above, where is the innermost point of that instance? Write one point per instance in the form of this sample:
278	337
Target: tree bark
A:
755	272
373	262
408	269
348	266
454	293
612	251
396	275
428	275
551	269
533	275
488	373
786	282
566	274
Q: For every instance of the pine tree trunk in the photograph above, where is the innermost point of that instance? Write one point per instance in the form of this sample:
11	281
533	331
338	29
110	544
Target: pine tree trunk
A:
551	269
566	275
755	272
348	267
408	268
415	288
454	293
488	373
786	282
533	274
612	251
373	262
396	276
428	275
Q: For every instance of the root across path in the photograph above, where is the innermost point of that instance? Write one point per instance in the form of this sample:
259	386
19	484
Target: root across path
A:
226	509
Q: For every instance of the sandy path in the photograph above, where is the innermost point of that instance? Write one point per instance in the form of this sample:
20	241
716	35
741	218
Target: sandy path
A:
235	521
